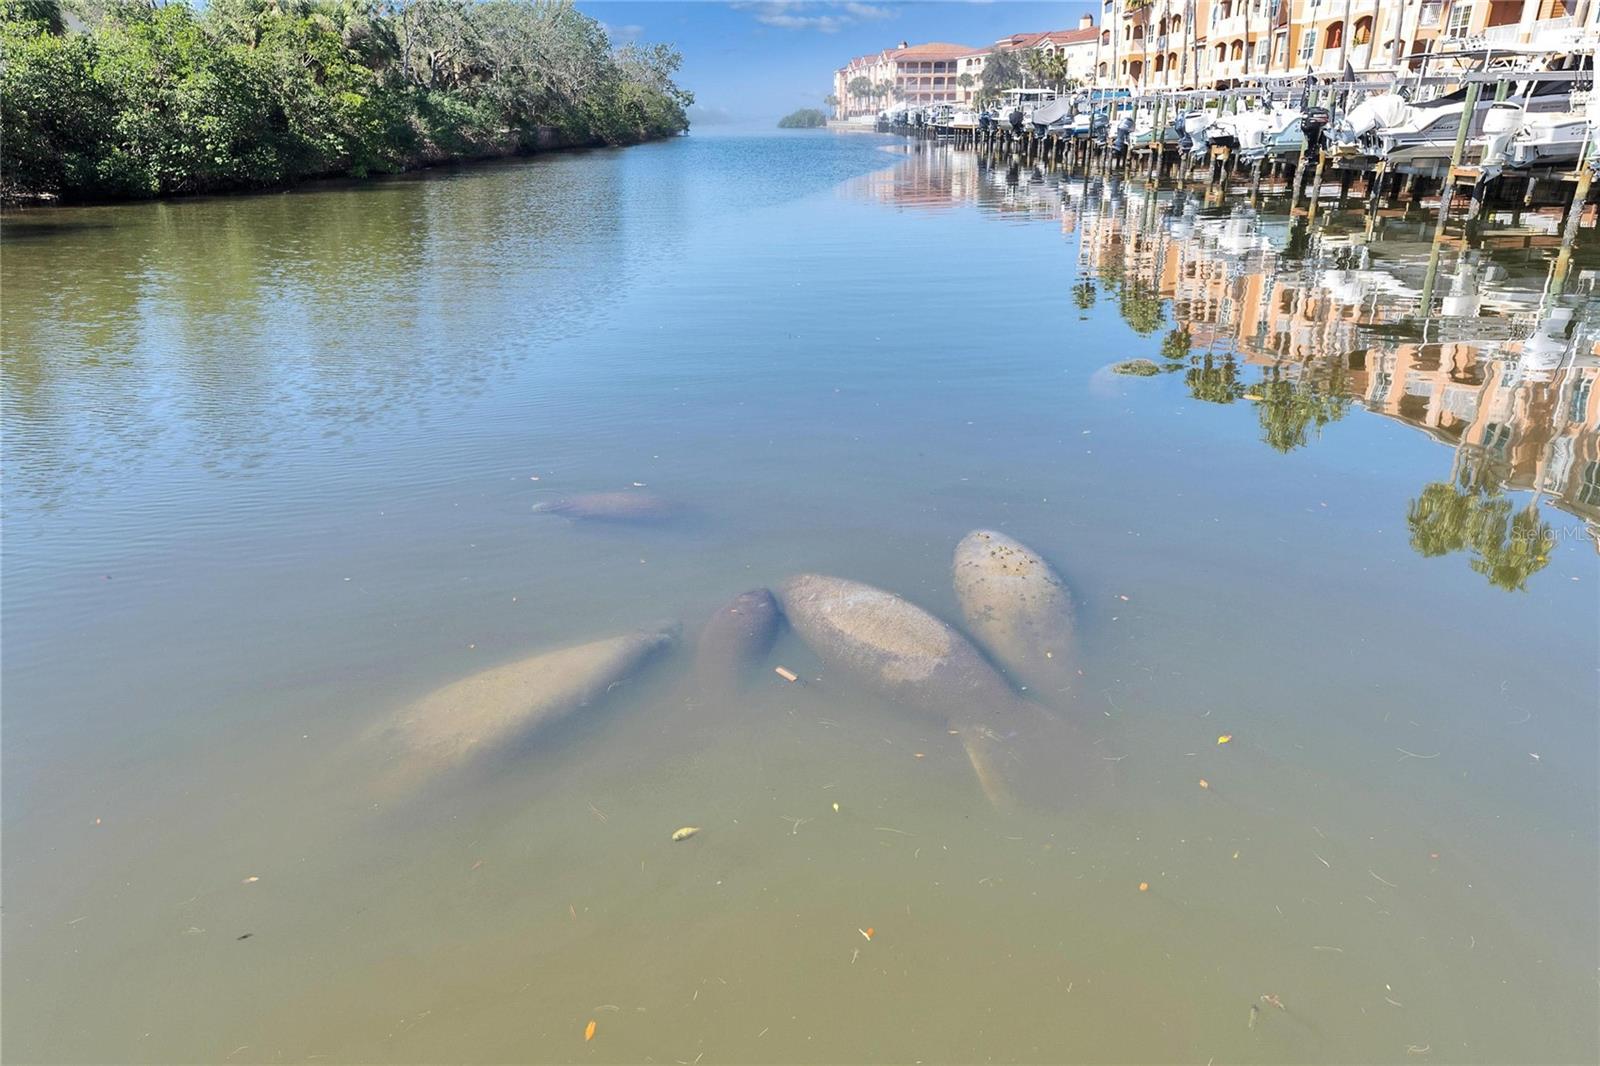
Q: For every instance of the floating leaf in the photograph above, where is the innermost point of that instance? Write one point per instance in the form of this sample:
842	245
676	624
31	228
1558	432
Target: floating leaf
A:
588	1030
1224	738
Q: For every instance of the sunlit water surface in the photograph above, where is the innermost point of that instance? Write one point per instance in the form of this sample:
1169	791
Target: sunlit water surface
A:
270	466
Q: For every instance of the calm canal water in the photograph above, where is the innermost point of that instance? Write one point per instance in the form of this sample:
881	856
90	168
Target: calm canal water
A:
270	467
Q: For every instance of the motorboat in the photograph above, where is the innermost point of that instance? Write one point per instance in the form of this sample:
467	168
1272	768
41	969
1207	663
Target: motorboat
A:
1052	117
1252	133
1193	130
1018	105
1390	127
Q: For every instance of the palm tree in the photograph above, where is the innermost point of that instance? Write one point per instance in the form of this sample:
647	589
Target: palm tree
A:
860	88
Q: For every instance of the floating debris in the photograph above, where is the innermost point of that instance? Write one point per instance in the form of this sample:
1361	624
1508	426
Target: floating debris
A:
1224	738
1139	368
685	833
588	1031
786	673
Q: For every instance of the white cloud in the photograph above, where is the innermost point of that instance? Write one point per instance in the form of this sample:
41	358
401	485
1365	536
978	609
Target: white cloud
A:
828	17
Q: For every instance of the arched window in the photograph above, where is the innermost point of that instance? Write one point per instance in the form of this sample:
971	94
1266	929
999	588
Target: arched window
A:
1138	33
1222	52
1102	70
1172	61
1334	37
1136	69
1161	63
1363	30
1177	23
1105	37
1238	51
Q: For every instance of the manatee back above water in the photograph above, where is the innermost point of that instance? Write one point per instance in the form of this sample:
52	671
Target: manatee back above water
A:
738	634
896	647
503	706
915	659
609	507
1018	609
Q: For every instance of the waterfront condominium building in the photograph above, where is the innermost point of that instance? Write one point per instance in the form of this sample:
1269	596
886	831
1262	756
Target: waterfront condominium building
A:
1214	44
923	74
1078	47
913	74
1219	43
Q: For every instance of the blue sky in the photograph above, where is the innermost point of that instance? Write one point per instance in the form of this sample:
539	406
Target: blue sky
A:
751	62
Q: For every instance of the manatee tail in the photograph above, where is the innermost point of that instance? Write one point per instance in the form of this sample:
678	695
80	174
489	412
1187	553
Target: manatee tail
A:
987	753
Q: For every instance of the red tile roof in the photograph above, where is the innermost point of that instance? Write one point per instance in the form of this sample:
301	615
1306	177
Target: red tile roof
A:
937	50
1059	37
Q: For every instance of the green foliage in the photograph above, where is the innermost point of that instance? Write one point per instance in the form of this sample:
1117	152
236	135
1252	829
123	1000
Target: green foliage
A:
1289	410
1175	345
1467	516
807	118
144	100
1213	381
1001	71
1141	308
1083	297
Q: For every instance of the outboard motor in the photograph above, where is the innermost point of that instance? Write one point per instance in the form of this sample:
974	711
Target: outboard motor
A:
1314	124
1124	132
1185	142
1016	120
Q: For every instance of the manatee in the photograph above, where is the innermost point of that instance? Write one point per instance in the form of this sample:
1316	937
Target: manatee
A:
1018	610
912	658
739	633
609	507
502	707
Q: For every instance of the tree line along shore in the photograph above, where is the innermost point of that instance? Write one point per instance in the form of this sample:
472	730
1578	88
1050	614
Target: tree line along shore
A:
128	99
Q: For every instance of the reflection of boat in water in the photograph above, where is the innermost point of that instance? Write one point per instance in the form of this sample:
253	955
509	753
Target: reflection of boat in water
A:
1324	315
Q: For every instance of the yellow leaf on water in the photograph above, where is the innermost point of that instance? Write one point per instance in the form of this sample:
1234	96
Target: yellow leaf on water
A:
1224	738
588	1030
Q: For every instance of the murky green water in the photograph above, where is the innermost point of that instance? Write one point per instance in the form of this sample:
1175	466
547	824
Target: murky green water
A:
270	471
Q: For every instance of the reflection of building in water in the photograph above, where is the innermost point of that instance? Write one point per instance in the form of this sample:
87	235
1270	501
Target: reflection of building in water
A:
1506	374
936	178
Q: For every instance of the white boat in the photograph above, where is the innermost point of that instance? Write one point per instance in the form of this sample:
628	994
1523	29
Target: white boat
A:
1256	133
1193	129
964	118
1055	116
1018	105
1388	126
1543	139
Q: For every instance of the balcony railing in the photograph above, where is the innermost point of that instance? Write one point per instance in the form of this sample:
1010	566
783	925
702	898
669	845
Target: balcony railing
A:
1549	34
